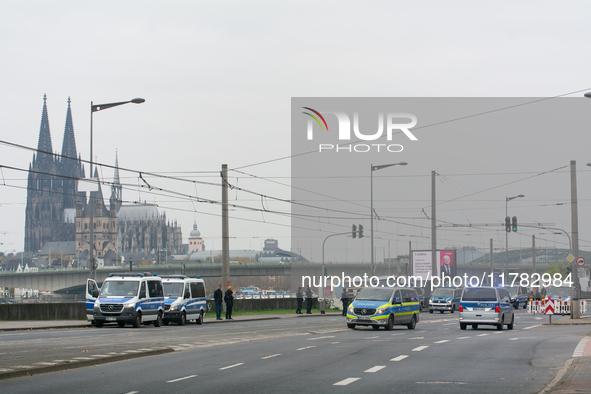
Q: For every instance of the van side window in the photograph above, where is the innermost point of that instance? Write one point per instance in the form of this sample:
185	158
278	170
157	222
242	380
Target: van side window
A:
197	290
405	296
396	299
187	292
457	293
155	288
143	290
413	296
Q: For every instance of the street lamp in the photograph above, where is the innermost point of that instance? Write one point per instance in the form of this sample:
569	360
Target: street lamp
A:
507	199
376	168
95	108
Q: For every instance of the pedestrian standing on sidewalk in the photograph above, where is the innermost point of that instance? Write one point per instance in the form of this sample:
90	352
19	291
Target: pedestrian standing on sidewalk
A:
345	300
229	298
218	297
300	300
309	301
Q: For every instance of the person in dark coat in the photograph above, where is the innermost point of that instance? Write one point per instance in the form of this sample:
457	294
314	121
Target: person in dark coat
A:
229	298
309	301
300	300
218	297
345	300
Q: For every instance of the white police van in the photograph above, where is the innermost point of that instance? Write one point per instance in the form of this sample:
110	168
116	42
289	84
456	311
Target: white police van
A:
123	298
486	306
184	299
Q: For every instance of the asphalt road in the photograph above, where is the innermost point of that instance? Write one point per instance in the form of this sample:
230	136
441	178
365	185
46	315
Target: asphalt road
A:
305	355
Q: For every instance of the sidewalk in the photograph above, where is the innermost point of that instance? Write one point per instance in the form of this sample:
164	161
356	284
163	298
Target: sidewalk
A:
567	321
25	325
577	377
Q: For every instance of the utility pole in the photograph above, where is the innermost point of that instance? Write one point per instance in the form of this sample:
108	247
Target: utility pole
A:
409	266
574	289
225	230
533	251
434	263
491	256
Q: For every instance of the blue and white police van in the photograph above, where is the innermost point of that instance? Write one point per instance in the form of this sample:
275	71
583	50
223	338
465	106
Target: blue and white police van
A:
486	306
123	298
184	299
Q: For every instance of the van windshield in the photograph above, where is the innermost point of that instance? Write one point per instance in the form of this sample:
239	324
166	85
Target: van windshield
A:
173	289
479	294
374	294
119	288
444	293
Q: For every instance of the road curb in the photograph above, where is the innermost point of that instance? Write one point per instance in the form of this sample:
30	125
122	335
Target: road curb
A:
558	376
87	325
81	364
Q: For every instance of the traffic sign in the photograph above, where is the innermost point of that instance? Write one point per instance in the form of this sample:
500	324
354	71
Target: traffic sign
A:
581	261
570	258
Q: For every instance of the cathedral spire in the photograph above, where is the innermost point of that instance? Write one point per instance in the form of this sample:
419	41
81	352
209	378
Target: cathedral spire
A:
116	177
116	189
44	144
69	144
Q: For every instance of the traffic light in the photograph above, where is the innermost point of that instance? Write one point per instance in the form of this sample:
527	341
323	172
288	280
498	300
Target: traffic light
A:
354	231
508	224
514	226
360	231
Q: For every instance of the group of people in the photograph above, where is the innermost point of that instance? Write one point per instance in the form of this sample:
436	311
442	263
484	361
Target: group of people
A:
219	297
310	300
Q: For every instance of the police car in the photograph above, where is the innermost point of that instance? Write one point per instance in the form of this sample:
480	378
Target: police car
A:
184	299
486	306
445	299
124	298
384	307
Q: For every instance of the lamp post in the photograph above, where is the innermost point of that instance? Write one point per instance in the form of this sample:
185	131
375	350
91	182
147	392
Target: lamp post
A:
376	168
95	108
507	199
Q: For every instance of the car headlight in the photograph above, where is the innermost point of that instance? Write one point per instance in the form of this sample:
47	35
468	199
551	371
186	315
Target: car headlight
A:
174	307
350	309
130	305
449	302
380	311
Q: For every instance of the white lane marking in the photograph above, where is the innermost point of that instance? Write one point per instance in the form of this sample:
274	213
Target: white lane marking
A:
334	343
482	335
42	363
132	392
375	369
99	355
527	328
399	358
82	358
442	341
307	347
402	333
418	349
371	337
131	351
179	379
270	356
345	382
417	338
580	347
538	318
5	370
231	366
513	339
313	339
448	324
463	337
499	332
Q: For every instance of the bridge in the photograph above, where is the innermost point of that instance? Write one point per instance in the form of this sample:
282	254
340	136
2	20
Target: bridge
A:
48	280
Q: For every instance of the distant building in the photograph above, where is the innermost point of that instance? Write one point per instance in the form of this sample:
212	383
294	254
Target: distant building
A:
271	245
195	240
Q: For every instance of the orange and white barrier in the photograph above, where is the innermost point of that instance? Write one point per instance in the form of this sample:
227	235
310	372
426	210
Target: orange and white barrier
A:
553	307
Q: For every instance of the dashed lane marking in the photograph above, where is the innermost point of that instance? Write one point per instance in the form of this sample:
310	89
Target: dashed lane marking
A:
418	349
482	335
132	392
442	341
527	328
399	358
345	382
513	339
334	343
179	379
313	339
231	366
307	347
417	338
401	333
270	356
371	337
44	363
463	337
375	369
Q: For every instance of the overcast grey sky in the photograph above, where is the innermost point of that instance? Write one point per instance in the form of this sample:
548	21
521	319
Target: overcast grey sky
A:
218	78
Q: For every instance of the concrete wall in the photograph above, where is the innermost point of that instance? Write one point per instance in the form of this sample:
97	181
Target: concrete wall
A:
57	311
